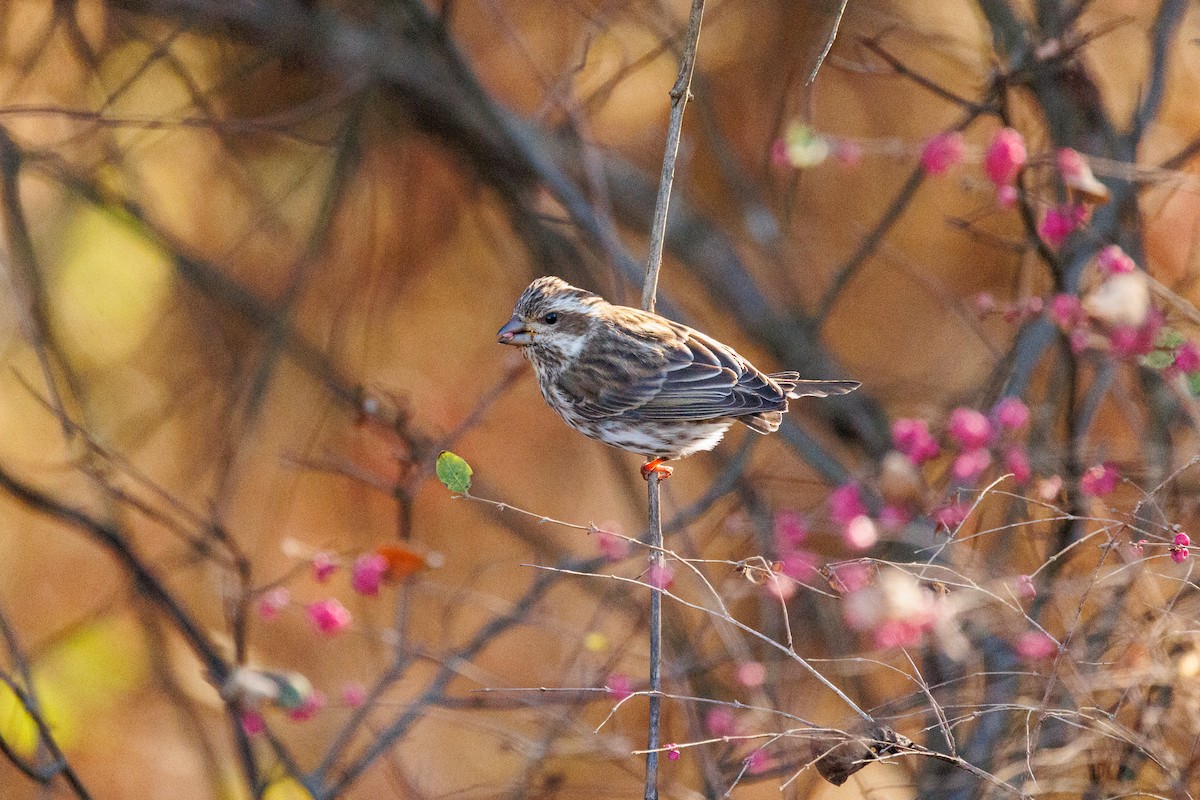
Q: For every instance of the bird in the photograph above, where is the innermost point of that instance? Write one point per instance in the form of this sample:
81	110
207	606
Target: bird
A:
641	382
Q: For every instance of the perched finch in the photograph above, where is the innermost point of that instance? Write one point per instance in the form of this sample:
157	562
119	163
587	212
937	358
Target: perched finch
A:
643	383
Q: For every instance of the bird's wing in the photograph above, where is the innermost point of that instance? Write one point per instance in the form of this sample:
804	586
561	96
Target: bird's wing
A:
620	369
649	368
708	379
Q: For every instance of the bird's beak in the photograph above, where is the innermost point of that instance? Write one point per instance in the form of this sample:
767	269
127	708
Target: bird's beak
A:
514	332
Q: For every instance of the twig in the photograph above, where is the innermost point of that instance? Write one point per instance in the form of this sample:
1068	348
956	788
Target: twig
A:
28	285
833	32
655	625
679	98
658	234
25	694
903	70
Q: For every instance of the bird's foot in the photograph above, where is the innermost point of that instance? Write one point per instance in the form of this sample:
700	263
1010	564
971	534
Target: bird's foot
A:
656	466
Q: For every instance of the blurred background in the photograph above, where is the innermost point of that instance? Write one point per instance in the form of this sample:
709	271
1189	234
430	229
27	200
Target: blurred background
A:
255	258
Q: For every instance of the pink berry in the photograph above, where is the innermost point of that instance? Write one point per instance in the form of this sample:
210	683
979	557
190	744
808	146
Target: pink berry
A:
845	504
1016	461
323	565
799	565
850	577
253	723
861	533
912	438
611	546
969	428
1060	222
951	516
1011	413
1112	260
367	573
943	152
892	517
751	674
619	686
328	616
1005	156
1036	646
1179	547
309	708
1187	358
971	464
1066	311
779	153
273	602
779	586
1100	479
848	153
720	721
757	762
985	303
660	575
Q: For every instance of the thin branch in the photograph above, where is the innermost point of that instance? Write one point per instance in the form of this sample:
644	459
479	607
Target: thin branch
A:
679	97
903	70
658	233
829	40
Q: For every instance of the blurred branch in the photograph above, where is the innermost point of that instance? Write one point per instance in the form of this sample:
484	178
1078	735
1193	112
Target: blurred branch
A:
713	262
25	694
27	282
935	88
1166	24
436	691
144	578
428	76
867	246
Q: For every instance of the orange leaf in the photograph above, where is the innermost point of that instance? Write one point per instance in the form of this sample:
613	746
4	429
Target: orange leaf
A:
401	562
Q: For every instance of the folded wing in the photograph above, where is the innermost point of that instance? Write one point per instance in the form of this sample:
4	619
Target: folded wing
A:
648	368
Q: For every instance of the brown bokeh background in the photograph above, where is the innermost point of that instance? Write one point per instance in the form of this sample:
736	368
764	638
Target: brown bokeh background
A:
245	226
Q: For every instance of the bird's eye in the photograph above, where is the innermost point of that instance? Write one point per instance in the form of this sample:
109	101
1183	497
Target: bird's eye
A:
551	318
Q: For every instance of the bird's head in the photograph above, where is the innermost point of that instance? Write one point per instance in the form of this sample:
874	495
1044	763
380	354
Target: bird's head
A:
552	318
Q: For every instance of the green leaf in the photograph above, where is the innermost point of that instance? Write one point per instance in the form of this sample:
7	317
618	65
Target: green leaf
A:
1159	359
454	472
1193	380
294	689
1169	339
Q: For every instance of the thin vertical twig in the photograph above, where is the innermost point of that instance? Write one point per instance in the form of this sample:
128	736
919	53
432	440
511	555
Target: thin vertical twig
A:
679	97
658	233
656	560
833	32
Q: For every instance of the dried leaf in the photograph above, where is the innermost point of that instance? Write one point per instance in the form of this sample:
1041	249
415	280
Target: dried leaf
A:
401	562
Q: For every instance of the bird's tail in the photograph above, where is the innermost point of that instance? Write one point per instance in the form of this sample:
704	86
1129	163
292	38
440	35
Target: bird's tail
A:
791	383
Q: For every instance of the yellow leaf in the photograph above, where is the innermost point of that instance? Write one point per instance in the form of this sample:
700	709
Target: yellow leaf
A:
286	789
17	728
595	642
95	664
110	289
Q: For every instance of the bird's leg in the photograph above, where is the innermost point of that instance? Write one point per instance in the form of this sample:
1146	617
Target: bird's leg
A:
656	465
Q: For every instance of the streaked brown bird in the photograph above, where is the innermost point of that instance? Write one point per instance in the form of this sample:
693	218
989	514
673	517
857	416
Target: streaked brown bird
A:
640	382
